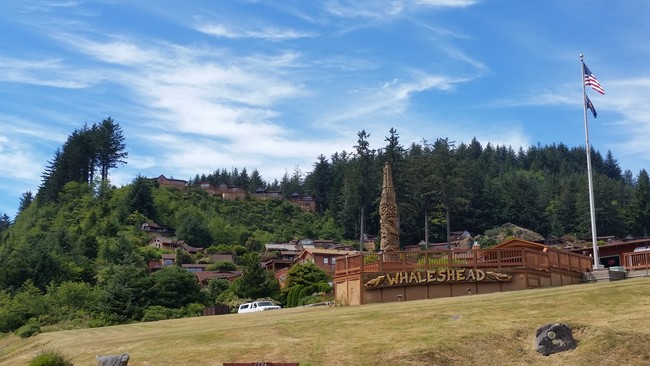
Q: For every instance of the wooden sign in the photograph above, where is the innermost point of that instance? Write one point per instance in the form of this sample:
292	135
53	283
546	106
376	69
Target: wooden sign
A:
446	276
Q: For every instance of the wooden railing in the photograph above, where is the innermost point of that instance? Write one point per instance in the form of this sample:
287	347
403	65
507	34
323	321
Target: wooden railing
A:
636	260
448	259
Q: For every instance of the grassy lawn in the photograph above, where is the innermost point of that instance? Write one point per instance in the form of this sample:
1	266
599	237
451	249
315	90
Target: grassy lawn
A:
610	321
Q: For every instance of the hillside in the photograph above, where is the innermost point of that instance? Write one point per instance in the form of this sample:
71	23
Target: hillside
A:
609	322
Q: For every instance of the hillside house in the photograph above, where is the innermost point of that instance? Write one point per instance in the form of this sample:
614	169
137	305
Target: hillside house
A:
164	261
203	277
225	192
280	255
152	227
195	267
322	258
306	203
263	194
171	244
170	182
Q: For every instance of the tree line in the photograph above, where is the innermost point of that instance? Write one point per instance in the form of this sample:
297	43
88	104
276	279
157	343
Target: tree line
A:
443	187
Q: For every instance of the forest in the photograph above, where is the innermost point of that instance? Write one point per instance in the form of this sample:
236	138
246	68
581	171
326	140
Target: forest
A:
74	256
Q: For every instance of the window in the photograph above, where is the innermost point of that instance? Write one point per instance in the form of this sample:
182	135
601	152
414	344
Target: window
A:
168	262
333	260
326	260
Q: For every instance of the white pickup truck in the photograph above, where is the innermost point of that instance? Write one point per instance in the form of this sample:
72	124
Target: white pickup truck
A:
250	307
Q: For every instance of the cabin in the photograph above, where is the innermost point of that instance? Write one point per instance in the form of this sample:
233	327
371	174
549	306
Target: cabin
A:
170	182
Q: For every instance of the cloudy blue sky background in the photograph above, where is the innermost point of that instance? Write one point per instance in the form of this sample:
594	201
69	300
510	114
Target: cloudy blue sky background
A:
202	85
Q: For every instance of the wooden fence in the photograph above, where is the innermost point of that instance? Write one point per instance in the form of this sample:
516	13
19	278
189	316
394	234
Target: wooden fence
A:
468	259
636	260
216	310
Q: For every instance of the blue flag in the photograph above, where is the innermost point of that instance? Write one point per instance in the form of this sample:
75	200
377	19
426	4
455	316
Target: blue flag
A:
590	106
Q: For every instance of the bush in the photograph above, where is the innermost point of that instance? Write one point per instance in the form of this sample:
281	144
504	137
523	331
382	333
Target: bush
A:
29	329
50	358
222	266
192	310
154	313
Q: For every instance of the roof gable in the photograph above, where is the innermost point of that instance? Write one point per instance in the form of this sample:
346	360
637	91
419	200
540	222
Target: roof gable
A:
521	243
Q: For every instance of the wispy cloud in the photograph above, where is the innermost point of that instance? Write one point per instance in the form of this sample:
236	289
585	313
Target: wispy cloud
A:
46	72
447	3
387	8
627	99
267	33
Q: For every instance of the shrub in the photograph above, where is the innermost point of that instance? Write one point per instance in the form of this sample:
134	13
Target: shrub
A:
192	310
29	329
154	313
50	358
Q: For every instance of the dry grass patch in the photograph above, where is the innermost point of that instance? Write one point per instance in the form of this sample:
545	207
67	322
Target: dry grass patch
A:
608	321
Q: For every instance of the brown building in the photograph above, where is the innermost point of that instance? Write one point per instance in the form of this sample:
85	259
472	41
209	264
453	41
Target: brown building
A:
225	192
170	182
307	203
365	278
171	244
322	258
613	253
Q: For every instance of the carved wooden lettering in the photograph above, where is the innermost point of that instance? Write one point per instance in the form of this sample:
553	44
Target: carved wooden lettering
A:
434	277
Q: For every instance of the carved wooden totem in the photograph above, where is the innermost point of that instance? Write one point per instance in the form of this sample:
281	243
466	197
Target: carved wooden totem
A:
388	213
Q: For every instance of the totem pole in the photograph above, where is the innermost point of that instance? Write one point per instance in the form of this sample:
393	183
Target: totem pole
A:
388	213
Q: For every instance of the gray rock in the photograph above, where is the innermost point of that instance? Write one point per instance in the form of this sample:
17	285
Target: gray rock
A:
553	338
113	360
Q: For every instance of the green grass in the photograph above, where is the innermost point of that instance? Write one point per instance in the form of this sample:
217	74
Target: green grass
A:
609	322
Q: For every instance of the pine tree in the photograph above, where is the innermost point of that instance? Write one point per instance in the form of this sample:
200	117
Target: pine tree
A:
110	146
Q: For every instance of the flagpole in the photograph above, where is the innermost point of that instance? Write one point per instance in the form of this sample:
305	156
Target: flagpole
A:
592	208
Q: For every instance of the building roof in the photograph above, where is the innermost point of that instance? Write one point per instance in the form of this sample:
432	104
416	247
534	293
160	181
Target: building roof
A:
521	243
204	276
282	247
222	257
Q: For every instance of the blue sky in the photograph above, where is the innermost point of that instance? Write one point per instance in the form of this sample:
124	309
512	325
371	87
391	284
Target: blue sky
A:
202	85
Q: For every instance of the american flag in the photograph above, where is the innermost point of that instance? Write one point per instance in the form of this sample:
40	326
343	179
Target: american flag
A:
590	80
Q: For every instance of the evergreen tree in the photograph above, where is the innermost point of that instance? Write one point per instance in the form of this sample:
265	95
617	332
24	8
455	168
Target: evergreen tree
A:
419	198
5	222
255	282
318	182
639	214
110	146
448	180
359	189
256	181
25	200
140	199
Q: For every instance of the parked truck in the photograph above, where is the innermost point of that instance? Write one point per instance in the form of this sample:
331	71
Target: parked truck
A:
250	307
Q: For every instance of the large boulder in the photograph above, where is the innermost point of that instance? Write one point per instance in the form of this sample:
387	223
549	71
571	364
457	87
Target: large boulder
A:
553	338
113	360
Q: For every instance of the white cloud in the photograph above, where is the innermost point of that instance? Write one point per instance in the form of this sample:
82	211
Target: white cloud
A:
627	99
267	33
447	3
46	72
376	9
17	161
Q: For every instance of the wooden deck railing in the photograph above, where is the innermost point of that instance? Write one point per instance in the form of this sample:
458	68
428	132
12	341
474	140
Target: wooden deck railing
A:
636	260
448	259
